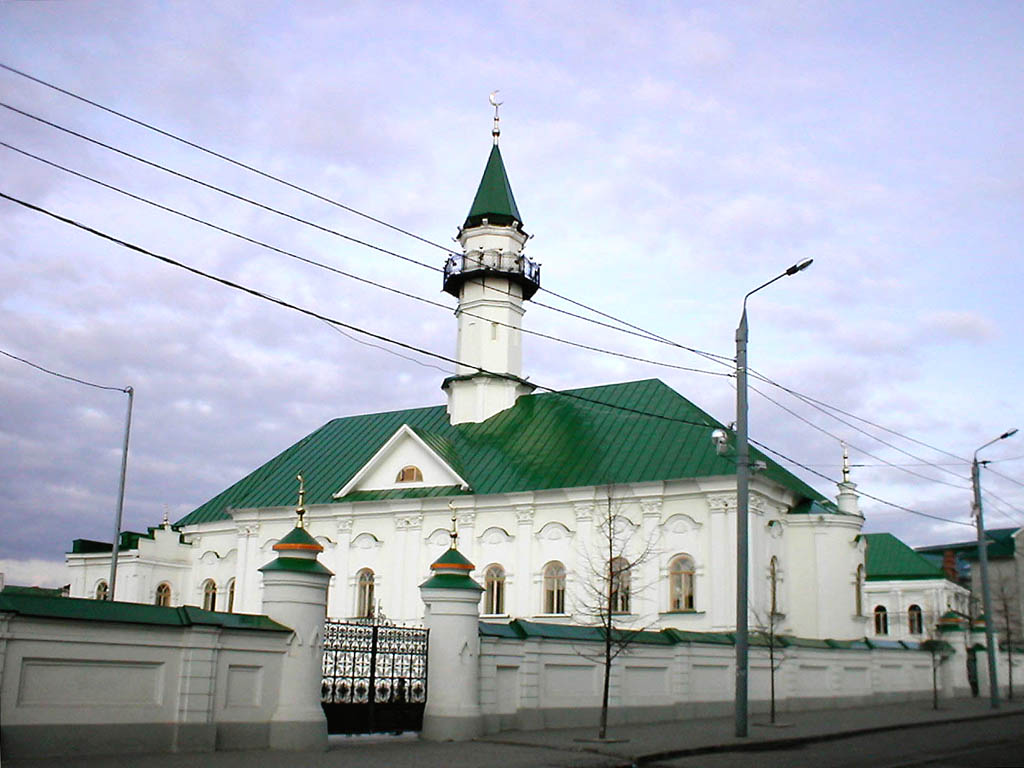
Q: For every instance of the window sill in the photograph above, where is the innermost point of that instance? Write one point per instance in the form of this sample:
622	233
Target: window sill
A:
685	612
494	615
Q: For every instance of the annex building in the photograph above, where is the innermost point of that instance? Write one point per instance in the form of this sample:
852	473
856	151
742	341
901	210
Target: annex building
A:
545	487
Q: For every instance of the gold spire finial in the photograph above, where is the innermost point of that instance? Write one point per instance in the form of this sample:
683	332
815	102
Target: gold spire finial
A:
454	532
846	463
301	509
166	523
496	130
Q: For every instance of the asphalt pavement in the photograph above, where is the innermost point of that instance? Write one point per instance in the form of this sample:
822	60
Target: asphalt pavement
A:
628	745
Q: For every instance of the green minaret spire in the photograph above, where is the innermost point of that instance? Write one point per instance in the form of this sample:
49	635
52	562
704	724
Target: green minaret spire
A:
494	200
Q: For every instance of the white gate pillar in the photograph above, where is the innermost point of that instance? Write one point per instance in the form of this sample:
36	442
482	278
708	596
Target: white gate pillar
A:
452	615
295	594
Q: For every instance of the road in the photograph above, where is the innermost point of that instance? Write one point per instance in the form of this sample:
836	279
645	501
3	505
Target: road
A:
977	744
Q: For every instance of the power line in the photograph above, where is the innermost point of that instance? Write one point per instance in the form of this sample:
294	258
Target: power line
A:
319	227
63	375
637	331
856	448
814	403
224	157
343	273
859	491
342	324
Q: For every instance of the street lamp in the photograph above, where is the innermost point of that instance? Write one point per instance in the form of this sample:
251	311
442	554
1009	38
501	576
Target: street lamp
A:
743	502
986	592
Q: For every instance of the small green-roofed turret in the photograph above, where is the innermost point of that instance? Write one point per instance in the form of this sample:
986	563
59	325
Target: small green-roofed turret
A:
494	200
451	571
298	550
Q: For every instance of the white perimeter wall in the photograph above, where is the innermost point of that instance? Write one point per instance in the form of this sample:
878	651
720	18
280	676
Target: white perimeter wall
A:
75	687
542	683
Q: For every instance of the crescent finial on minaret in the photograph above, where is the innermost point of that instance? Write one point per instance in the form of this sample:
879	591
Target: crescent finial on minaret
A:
496	131
301	509
454	533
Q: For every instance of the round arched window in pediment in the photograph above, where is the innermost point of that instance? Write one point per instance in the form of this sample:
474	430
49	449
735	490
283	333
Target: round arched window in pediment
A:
409	474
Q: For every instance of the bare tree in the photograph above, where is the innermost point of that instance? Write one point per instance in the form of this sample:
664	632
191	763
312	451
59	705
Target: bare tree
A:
1007	621
609	590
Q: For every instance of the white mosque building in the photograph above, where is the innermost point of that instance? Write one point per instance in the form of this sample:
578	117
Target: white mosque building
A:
532	479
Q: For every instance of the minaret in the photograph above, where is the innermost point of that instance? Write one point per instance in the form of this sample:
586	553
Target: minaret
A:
491	279
847	498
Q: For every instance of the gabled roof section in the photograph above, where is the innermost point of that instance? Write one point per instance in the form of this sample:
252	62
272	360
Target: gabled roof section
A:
888	558
494	200
1001	543
408	446
580	437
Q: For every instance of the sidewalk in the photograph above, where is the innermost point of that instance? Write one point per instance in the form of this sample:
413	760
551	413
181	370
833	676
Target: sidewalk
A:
563	748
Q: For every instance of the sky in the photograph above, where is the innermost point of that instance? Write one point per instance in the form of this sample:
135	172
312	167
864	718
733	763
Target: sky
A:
667	158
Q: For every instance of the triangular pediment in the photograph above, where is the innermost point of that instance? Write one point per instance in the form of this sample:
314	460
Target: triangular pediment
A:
404	450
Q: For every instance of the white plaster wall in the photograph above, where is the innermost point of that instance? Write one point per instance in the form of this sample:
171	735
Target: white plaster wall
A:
539	678
126	677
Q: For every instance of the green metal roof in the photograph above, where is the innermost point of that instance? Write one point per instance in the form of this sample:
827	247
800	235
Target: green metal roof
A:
452	557
300	536
297	565
1001	544
580	437
130	613
451	581
889	558
493	200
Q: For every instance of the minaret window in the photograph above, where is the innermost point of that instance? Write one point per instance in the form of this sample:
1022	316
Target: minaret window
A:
859	594
554	588
494	590
163	595
409	474
209	595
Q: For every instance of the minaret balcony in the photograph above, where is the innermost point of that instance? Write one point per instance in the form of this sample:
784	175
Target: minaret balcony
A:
519	269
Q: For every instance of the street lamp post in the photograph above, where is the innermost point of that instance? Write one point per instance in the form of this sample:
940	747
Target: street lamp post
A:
986	592
743	503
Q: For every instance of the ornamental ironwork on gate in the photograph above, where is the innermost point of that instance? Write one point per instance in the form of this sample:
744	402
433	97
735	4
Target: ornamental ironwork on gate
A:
374	677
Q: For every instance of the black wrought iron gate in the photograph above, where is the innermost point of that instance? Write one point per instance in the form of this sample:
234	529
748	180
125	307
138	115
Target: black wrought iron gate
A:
374	677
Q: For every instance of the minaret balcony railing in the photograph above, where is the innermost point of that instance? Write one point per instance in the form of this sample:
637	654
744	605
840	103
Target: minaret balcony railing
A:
516	267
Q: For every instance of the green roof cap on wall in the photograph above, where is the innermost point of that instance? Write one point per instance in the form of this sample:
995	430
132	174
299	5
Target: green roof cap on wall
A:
580	437
494	200
130	613
889	558
297	564
299	537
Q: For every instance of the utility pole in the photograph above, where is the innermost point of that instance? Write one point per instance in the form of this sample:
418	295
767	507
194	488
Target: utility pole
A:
986	591
120	494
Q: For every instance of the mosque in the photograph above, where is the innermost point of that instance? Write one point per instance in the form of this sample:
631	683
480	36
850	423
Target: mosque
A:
550	491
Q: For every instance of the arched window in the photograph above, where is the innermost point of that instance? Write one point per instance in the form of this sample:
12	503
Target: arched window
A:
231	596
209	595
494	589
681	584
858	596
773	584
102	591
409	474
163	594
554	587
915	620
618	575
364	601
881	620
